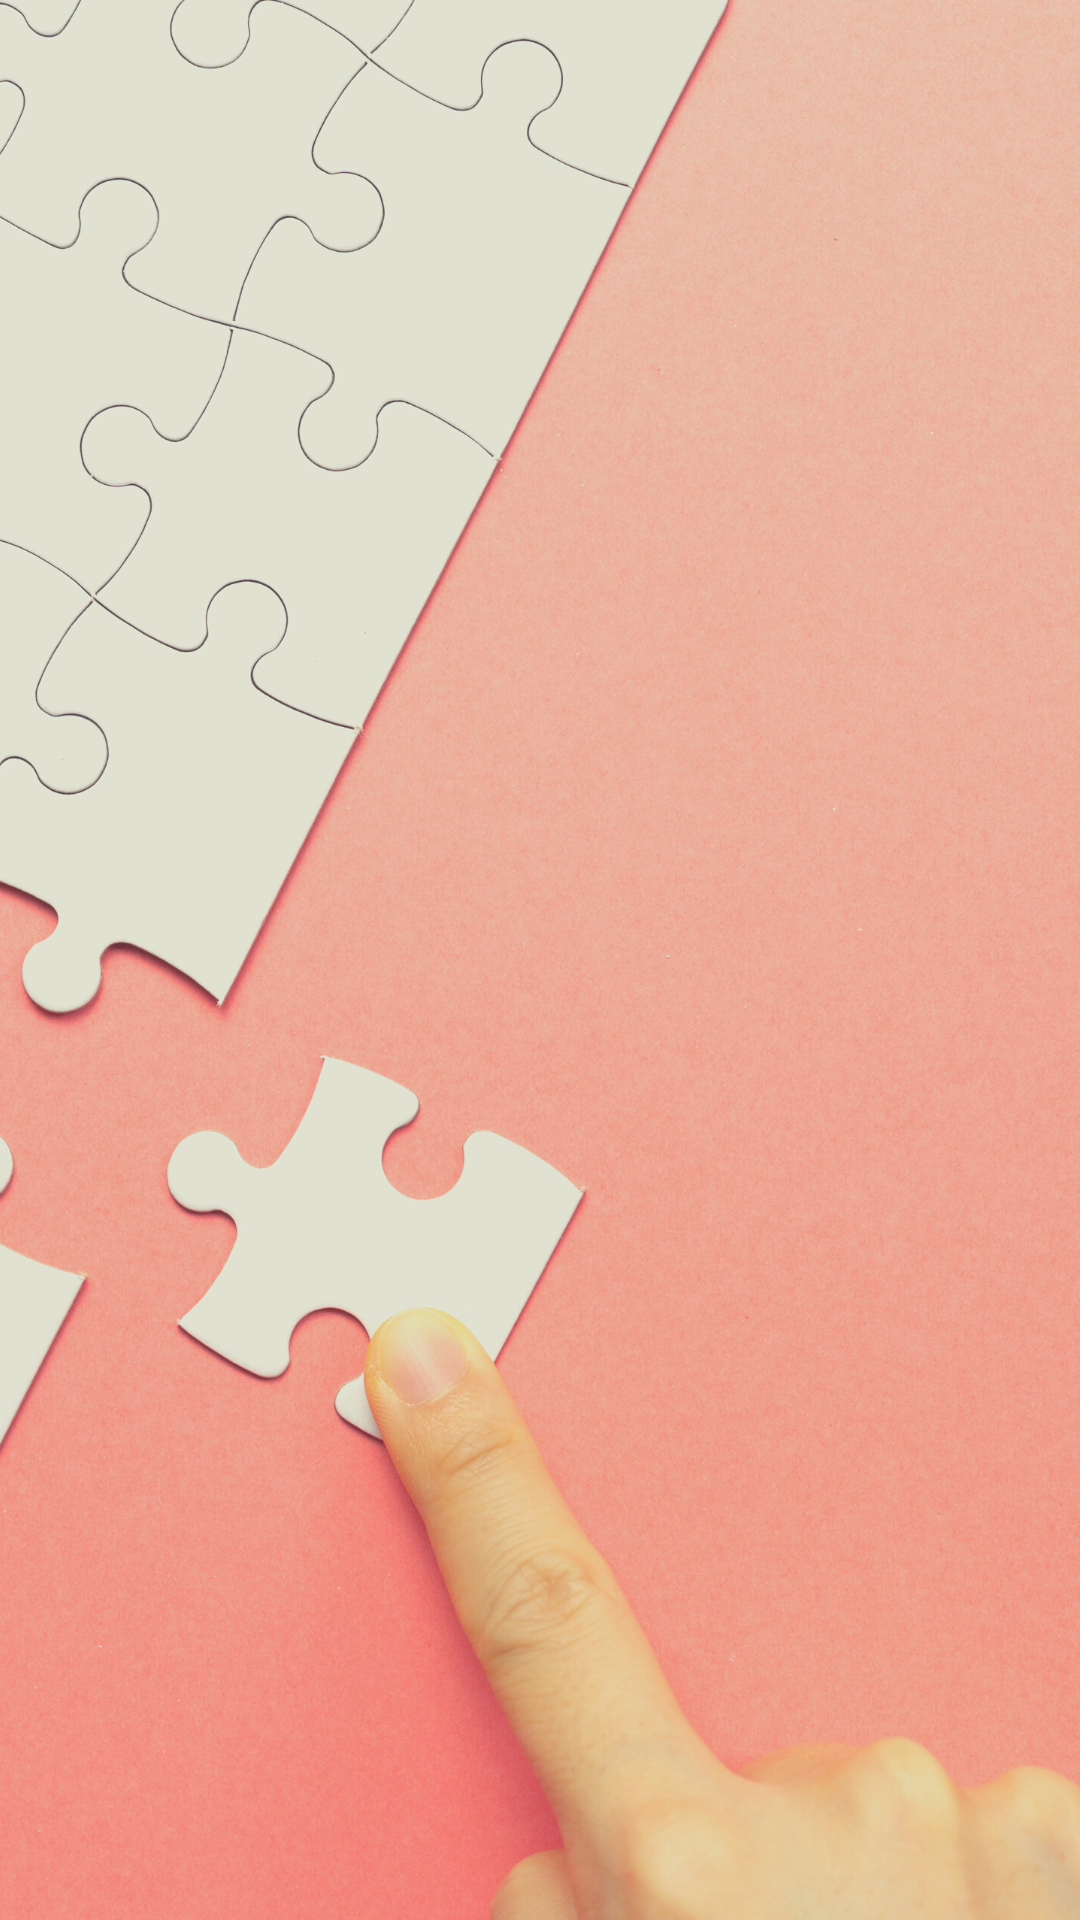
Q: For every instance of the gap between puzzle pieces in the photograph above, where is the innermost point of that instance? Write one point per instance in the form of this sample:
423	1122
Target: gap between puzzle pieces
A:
324	1227
34	1303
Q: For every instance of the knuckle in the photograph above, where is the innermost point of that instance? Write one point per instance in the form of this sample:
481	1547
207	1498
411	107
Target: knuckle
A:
545	1599
526	1892
1042	1806
678	1861
903	1782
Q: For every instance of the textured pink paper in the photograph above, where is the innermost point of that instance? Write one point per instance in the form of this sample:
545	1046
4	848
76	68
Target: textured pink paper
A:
716	839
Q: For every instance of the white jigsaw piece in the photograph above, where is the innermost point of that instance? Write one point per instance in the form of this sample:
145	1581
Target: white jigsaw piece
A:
353	555
224	153
34	1303
75	337
210	790
624	64
211	33
484	252
323	1227
38	604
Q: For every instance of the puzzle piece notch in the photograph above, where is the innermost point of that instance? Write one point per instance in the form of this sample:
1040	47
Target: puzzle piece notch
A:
111	98
38	604
624	64
353	555
323	1227
213	33
34	1303
211	787
485	249
79	339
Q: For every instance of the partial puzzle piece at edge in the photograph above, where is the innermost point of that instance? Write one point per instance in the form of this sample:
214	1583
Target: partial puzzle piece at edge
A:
34	1303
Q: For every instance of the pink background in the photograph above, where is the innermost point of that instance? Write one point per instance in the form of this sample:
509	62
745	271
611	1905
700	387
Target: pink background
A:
715	838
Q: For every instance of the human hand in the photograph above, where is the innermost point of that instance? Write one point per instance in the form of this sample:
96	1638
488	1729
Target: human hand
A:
654	1827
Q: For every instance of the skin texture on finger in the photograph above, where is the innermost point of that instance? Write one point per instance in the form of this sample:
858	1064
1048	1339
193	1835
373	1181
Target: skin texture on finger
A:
537	1889
794	1763
560	1645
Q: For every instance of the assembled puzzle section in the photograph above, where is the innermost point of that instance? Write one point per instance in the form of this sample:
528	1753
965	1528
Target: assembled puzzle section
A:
75	337
623	65
352	555
323	1227
484	251
273	309
182	844
223	153
34	1303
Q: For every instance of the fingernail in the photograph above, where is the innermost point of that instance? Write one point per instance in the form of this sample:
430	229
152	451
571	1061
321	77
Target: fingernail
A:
419	1357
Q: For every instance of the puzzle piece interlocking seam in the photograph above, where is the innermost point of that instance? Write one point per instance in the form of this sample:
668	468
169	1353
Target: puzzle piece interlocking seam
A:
42	17
624	64
110	97
213	33
77	338
38	606
353	555
34	1303
211	788
485	249
323	1227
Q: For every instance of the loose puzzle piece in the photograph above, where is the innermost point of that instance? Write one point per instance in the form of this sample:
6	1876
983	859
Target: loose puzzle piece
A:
224	153
484	251
34	1303
353	555
38	604
76	338
212	32
182	845
323	1227
624	65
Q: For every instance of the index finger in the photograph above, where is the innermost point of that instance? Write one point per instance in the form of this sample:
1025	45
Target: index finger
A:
545	1614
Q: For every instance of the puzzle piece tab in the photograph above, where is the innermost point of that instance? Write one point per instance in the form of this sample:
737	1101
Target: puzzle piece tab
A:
353	555
210	790
210	33
34	1303
38	604
484	252
224	153
77	338
323	1227
624	65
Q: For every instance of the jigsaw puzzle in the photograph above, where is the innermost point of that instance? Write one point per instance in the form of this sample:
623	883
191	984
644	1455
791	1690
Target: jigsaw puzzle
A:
624	64
353	555
75	338
34	1303
210	33
481	230
403	239
323	1227
38	604
224	153
211	787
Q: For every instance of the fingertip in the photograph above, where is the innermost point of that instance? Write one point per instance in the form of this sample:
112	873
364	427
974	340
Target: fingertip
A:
416	1357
